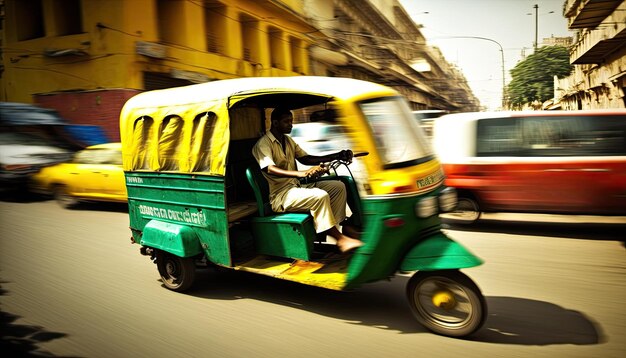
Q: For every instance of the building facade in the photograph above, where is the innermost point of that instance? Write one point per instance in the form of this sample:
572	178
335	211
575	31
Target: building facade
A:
598	55
85	58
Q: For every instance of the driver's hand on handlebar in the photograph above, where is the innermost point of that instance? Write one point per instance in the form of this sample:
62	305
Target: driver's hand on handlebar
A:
345	155
316	171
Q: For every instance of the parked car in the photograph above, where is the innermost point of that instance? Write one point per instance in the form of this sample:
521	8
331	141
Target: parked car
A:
24	154
559	162
95	174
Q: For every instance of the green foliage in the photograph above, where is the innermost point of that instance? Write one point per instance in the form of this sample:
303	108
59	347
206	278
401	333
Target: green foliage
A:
533	78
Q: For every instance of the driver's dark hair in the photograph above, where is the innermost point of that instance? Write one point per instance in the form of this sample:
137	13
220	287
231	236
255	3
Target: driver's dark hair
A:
279	112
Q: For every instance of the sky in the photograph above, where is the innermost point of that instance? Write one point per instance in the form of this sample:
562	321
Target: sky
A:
503	22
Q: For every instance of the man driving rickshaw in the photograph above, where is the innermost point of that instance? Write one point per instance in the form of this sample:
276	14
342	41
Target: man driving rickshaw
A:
276	153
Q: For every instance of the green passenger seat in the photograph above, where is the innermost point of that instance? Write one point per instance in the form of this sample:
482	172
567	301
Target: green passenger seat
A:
279	234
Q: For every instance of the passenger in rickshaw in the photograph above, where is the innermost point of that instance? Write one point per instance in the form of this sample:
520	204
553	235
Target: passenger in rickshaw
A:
276	153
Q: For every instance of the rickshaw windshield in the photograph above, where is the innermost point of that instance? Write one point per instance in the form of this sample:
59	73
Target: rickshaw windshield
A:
399	139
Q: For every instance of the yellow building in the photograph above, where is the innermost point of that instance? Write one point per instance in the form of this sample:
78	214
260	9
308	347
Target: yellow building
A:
92	44
85	58
80	55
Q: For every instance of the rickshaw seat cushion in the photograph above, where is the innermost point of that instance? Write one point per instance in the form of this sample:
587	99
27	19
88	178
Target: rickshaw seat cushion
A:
285	235
279	234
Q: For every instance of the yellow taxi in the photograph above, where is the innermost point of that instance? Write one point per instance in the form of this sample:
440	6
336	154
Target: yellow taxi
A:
94	174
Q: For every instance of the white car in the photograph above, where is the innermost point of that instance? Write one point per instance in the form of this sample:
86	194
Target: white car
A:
318	138
22	155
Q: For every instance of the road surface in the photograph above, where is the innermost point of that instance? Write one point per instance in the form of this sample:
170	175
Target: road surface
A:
72	285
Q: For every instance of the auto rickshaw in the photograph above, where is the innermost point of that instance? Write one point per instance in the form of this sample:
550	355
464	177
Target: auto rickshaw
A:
196	195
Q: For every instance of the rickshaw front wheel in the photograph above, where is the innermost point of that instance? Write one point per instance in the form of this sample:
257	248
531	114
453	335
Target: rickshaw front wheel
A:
446	302
177	273
467	211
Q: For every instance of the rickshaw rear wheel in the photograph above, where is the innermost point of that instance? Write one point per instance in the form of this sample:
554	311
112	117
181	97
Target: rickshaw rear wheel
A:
446	302
63	198
177	273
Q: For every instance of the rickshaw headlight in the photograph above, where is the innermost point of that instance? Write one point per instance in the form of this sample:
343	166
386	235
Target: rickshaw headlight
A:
426	207
447	199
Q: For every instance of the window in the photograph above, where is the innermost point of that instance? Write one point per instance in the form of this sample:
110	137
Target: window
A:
551	136
297	59
29	19
68	17
216	30
203	126
169	142
399	139
141	142
250	38
498	137
277	52
168	14
99	156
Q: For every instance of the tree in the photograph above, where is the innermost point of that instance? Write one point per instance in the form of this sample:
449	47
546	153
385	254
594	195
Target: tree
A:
533	78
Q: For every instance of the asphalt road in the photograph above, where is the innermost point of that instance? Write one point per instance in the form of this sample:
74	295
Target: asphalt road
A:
72	285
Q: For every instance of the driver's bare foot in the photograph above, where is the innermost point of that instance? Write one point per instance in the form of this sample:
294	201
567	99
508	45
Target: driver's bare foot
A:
347	244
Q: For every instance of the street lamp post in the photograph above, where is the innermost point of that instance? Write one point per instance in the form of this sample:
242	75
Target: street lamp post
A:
536	25
536	43
501	54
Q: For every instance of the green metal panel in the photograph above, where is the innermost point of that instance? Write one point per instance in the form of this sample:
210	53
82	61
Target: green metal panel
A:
285	235
438	252
385	247
196	201
179	240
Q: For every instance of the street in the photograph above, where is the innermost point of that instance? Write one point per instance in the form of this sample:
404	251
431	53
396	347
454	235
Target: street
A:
72	284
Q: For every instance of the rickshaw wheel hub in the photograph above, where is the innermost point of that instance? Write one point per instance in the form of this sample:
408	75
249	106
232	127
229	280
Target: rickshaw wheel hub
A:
170	268
444	299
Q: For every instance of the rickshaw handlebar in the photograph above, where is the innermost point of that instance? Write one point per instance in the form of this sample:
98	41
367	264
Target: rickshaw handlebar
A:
333	165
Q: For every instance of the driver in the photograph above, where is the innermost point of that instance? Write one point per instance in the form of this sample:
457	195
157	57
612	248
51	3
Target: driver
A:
325	200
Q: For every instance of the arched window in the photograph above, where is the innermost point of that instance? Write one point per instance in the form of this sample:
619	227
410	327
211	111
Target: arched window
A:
203	126
169	143
141	142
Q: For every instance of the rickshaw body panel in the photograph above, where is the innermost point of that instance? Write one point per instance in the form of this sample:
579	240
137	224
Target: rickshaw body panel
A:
385	247
180	240
194	201
396	240
438	252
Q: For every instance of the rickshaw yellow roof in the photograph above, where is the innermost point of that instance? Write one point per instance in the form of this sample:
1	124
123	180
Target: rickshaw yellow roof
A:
216	90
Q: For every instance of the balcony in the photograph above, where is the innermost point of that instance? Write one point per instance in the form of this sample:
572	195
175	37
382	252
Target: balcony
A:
589	13
595	45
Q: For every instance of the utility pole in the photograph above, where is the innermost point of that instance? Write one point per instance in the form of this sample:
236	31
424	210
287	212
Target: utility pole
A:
536	25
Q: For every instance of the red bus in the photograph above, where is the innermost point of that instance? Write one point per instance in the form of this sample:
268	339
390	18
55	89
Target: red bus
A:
559	162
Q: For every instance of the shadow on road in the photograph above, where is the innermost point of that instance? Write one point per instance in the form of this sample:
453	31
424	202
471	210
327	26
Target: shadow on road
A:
383	305
522	321
587	231
18	340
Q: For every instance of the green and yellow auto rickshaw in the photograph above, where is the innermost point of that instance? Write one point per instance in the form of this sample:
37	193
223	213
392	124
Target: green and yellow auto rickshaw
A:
196	195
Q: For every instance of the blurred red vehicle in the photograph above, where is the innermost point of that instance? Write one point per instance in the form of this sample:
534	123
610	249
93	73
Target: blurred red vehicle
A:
561	162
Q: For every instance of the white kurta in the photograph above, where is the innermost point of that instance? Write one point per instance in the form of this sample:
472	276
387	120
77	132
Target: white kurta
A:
325	200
